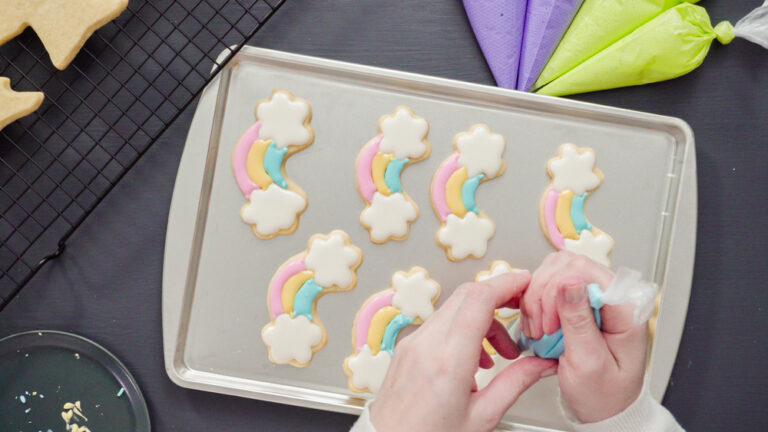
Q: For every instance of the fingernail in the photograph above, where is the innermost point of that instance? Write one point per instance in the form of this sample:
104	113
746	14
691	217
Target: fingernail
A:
549	372
575	294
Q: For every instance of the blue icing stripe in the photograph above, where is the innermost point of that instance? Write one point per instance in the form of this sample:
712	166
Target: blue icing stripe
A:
305	297
468	190
577	213
391	331
552	346
273	164
392	174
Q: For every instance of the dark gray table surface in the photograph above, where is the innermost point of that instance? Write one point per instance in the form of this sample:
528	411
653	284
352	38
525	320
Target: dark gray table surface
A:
107	286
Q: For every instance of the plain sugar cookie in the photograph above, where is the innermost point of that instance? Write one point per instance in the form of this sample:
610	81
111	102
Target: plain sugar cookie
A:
329	264
402	141
62	25
282	128
561	212
478	157
15	105
410	301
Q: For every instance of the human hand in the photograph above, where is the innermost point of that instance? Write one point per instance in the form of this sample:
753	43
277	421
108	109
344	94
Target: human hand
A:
601	372
430	384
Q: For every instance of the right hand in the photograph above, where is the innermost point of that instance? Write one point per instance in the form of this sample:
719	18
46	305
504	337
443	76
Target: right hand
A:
601	372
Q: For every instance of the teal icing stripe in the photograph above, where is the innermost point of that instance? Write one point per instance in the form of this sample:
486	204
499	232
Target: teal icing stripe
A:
577	213
398	323
392	174
468	191
273	164
305	297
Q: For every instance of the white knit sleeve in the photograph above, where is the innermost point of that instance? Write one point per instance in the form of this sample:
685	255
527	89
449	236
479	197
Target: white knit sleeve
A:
645	414
363	424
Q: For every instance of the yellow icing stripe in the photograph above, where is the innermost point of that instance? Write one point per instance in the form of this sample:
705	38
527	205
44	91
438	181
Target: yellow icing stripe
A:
453	192
488	348
378	168
255	164
378	325
563	215
291	287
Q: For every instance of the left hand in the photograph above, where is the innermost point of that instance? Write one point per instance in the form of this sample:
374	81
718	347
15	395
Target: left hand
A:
430	383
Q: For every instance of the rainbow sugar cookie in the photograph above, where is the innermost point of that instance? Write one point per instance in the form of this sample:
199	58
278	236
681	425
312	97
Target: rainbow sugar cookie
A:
478	157
561	212
388	209
295	332
282	128
410	300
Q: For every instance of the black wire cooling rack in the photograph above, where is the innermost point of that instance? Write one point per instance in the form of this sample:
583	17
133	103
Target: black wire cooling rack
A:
130	81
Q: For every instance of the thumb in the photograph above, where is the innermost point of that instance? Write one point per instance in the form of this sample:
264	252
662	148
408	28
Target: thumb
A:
583	340
489	405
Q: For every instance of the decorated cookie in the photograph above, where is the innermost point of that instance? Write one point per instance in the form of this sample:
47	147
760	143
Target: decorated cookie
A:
561	212
282	128
410	300
506	316
62	25
465	230
15	105
388	209
329	264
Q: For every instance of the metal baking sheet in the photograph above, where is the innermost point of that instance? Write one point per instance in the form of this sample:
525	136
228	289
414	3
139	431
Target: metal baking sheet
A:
216	271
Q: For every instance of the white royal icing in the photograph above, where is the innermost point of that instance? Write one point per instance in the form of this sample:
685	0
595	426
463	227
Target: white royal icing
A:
332	260
574	170
480	152
282	120
484	376
368	371
292	339
466	236
388	216
498	269
594	247
403	135
273	209
414	294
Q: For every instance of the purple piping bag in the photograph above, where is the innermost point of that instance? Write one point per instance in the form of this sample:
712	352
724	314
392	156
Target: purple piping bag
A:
498	27
546	23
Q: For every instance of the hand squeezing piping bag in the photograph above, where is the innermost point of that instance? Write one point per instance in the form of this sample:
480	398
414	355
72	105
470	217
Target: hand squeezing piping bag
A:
626	287
668	46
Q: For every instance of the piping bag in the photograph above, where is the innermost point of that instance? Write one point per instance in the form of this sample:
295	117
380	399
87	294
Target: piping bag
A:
626	287
670	45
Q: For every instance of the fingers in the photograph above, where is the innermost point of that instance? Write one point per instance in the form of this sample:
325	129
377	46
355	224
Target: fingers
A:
490	404
502	342
486	362
530	305
582	338
629	348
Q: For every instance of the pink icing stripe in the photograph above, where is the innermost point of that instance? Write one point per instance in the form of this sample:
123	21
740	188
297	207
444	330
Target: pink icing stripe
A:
276	287
240	157
364	174
438	185
550	205
366	315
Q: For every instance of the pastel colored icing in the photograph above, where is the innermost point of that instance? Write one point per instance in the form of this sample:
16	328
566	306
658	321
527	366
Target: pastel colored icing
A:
273	164
279	280
364	174
392	174
255	164
563	215
302	303
438	185
366	315
398	323
468	191
378	325
453	192
378	167
240	159
550	206
291	287
577	213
